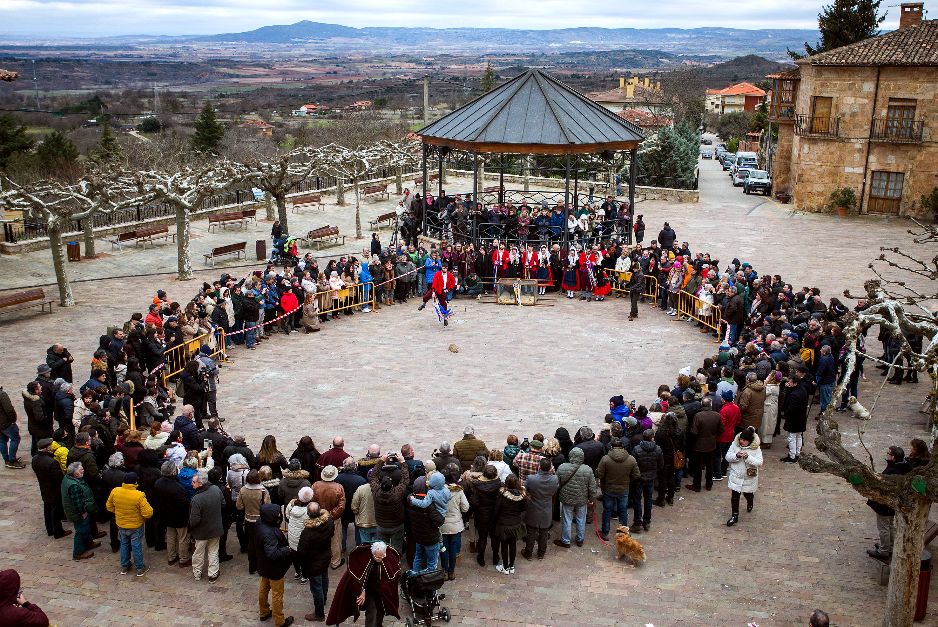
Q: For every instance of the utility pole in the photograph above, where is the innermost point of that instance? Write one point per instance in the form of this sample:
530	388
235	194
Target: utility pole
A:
426	99
36	84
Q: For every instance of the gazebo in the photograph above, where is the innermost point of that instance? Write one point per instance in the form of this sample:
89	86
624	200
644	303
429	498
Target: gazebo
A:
532	114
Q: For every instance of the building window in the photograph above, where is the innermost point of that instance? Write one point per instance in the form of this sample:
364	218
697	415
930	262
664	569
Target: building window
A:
900	114
821	109
886	192
787	92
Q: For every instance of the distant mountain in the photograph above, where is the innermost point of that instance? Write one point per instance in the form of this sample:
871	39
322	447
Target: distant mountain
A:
750	68
724	42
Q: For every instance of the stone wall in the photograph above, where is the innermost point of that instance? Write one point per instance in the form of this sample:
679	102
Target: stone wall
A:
781	167
860	95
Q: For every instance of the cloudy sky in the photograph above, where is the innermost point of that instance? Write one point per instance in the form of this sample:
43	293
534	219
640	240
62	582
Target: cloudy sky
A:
176	17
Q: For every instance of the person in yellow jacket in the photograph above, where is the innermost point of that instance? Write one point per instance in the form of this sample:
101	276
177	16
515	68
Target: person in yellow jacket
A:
59	450
131	510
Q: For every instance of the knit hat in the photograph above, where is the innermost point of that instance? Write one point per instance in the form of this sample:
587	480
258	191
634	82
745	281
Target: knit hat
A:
329	473
305	495
294	465
538	445
429	466
43	368
617	400
727	395
130	477
44	443
684	371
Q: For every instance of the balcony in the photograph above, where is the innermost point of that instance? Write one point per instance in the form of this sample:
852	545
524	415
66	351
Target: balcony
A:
814	126
898	131
782	112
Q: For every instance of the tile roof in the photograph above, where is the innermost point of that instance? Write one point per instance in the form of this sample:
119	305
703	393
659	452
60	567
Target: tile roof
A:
644	119
741	89
912	46
640	94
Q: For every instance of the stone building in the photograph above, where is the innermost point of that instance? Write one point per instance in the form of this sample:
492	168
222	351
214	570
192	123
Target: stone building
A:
863	116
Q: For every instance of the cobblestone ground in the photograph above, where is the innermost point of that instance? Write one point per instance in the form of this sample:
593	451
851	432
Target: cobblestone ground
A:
388	377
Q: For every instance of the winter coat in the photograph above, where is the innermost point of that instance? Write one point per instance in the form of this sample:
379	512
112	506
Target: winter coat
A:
291	484
730	417
129	506
251	498
13	614
752	404
650	459
468	449
437	494
593	451
734	312
60	453
184	477
171	503
237	473
770	406
541	488
314	544
738	479
442	461
363	507
482	495
61	367
666	238
296	514
578	485
510	507
350	482
389	504
795	407
425	523
49	475
36	422
131	450
331	496
616	471
273	552
892	468
191	438
457	506
706	427
205	513
88	462
243	450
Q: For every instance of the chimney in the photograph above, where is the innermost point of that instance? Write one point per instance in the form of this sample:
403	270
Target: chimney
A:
910	14
647	82
621	82
629	90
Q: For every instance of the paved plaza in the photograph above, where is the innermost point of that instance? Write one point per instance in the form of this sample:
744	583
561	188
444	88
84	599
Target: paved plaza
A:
389	377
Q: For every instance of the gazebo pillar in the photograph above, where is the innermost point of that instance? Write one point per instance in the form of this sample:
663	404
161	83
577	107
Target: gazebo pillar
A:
633	170
439	173
565	238
475	197
501	179
423	201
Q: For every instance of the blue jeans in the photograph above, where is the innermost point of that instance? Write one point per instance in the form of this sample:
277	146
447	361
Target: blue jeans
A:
250	337
319	587
827	391
131	540
366	295
452	542
618	501
366	535
641	501
82	538
734	333
9	442
427	557
569	514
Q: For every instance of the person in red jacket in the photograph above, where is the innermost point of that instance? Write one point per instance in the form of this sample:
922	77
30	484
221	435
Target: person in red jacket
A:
443	284
500	258
14	608
730	417
288	305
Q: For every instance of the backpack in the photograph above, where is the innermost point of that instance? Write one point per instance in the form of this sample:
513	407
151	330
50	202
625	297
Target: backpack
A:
807	356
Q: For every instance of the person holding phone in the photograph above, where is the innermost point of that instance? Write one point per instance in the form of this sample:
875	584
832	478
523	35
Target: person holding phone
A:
16	610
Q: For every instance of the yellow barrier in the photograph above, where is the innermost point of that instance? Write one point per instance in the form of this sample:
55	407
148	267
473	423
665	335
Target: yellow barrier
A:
707	314
176	358
332	301
651	285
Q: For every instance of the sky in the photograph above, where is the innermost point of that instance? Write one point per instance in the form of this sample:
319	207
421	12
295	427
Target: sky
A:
98	18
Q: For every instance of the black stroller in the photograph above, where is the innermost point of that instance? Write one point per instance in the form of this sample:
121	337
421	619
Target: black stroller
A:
284	252
420	591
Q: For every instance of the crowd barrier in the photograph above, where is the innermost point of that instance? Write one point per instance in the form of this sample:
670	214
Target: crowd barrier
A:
176	358
651	285
699	310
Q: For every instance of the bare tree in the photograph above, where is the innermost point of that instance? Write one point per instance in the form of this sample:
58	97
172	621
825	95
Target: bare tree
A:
901	307
277	175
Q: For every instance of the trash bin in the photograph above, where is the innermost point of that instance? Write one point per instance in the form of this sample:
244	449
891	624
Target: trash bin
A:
261	249
924	578
73	251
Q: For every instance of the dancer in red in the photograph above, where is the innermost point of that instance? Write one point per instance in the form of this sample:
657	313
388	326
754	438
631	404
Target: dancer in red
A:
529	261
499	263
443	284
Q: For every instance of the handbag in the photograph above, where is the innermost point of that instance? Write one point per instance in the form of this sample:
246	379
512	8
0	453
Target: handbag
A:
752	471
678	456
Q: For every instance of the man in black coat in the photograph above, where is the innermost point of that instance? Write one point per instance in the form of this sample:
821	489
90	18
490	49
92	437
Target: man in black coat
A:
315	553
896	464
593	449
172	508
666	237
49	475
220	441
273	560
44	379
185	424
798	394
350	481
60	361
704	429
238	445
734	314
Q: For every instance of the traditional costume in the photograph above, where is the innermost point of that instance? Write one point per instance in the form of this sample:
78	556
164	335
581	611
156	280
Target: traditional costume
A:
544	278
444	282
570	283
378	580
513	270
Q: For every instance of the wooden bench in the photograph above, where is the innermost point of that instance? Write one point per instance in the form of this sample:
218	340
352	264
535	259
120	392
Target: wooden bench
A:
432	178
376	190
387	218
123	238
227	249
231	217
154	232
304	200
24	300
493	189
325	234
931	532
249	214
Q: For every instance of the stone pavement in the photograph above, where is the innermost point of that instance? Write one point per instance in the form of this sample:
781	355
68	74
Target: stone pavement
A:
388	377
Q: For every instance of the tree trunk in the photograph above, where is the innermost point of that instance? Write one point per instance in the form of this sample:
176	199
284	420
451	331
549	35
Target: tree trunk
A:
269	207
611	189
281	200
906	557
358	215
399	181
526	172
58	263
88	227
340	192
182	244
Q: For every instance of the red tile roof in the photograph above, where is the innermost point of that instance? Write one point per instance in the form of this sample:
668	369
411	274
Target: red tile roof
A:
644	119
741	89
912	46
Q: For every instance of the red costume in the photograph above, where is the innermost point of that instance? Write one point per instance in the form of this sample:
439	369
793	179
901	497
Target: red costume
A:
353	582
500	262
529	260
441	285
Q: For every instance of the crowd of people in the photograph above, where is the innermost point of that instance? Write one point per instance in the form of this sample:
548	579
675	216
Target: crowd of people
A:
177	481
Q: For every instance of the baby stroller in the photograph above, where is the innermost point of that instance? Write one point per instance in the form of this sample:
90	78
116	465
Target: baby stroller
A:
420	591
284	252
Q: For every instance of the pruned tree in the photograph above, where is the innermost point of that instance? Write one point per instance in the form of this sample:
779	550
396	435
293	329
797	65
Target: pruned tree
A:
186	190
278	175
352	164
901	306
402	155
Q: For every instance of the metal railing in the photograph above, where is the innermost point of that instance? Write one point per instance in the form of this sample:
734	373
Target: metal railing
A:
899	131
815	126
707	314
617	279
176	358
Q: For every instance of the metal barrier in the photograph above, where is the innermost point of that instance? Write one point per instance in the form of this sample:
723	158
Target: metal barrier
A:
651	285
176	358
707	314
347	298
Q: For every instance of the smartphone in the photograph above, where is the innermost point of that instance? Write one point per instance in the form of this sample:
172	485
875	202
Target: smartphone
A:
206	444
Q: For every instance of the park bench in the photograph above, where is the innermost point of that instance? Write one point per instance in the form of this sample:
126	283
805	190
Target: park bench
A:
149	234
123	238
23	300
304	200
249	214
384	218
231	217
227	249
376	190
432	178
931	532
493	189
325	234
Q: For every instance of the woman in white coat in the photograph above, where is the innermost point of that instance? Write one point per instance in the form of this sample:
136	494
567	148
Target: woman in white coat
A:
745	463
770	408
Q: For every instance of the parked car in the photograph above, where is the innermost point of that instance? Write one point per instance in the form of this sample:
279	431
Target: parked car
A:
727	160
706	152
739	176
758	181
706	141
719	151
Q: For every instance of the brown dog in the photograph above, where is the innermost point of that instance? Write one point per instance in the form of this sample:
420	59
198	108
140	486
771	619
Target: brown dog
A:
628	547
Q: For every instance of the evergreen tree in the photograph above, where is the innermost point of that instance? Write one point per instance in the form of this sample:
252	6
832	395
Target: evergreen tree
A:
57	152
109	148
13	139
843	23
208	130
488	79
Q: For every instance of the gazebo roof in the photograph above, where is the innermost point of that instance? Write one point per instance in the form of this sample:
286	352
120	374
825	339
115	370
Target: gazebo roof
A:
533	113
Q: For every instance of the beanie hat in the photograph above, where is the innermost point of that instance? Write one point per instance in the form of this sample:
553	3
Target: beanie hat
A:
727	395
617	400
130	477
538	445
43	368
206	349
